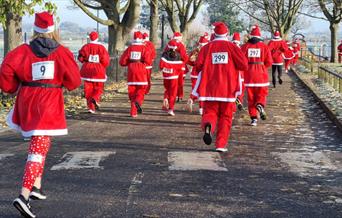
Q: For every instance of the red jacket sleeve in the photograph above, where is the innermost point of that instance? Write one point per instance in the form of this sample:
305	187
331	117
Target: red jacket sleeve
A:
147	58
104	58
239	58
200	59
72	77
8	80
82	55
124	59
268	57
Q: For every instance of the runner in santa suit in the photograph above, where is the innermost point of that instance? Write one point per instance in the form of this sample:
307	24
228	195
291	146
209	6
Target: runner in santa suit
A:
288	56
256	77
239	100
36	73
296	47
171	65
218	85
339	48
181	47
277	46
136	57
95	59
194	73
150	46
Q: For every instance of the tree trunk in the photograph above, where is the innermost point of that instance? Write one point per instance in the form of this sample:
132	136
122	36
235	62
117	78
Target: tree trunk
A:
12	32
185	31
154	21
333	40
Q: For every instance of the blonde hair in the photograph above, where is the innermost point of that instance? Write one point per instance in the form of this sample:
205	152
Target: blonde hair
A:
53	35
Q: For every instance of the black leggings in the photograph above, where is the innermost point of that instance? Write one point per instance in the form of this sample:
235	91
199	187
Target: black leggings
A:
275	68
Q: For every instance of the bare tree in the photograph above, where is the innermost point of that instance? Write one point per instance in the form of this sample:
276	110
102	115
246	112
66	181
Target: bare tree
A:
154	18
122	17
181	13
277	15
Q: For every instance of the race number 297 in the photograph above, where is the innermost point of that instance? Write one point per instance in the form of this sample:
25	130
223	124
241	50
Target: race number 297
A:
254	53
43	70
220	58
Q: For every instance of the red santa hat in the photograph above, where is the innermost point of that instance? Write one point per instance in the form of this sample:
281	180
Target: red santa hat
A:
94	36
145	36
203	41
255	31
177	36
221	30
206	35
276	35
236	37
213	25
43	22
138	36
172	44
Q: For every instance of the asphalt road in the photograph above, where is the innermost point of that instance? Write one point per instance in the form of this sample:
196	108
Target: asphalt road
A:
111	165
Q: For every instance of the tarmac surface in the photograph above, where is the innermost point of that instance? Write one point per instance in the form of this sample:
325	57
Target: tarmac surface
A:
111	165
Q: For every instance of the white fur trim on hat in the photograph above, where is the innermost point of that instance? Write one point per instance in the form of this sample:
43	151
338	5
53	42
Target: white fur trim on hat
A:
50	29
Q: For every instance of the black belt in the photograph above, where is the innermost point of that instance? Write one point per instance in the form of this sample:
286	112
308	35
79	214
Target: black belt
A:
260	63
43	85
134	61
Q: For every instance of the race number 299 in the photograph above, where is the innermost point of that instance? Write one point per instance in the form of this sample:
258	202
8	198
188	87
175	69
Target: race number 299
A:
254	53
220	58
43	70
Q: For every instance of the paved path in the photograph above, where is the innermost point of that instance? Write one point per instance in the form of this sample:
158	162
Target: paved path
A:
157	166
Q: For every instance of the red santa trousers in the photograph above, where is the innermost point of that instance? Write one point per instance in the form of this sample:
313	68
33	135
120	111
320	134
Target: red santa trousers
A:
170	93
93	90
149	80
37	152
136	93
240	97
193	83
180	91
287	64
256	95
219	114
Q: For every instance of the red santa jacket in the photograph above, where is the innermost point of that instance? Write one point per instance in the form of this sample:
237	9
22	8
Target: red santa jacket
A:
192	62
219	63
289	54
37	73
150	47
171	64
296	47
339	48
136	57
277	48
95	59
259	59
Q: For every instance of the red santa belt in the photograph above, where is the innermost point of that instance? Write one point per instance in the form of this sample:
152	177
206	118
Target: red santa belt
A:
260	63
43	85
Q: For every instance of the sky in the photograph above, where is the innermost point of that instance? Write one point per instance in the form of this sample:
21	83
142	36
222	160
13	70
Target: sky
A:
79	17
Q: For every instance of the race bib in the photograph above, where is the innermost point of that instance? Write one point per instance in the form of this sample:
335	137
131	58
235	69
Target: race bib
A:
220	58
94	59
167	70
254	53
135	55
43	70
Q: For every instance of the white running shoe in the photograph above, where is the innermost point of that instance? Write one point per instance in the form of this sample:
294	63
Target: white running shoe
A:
190	105
221	149
91	111
166	103
171	113
254	122
200	111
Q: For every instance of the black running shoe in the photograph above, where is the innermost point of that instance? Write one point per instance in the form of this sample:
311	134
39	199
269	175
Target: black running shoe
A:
139	109
262	112
97	106
37	194
207	134
238	104
280	81
23	207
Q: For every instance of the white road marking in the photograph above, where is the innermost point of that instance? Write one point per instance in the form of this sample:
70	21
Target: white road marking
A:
195	161
307	163
133	188
3	156
82	160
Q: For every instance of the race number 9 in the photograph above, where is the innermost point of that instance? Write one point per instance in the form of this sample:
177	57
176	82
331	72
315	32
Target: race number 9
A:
43	70
219	58
254	53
